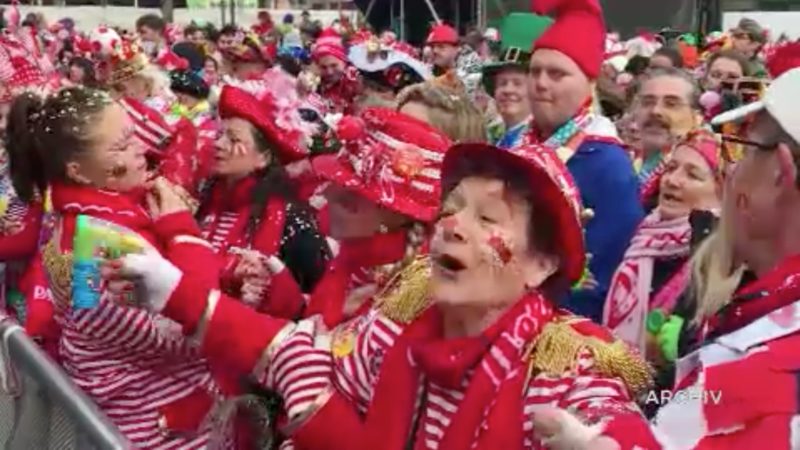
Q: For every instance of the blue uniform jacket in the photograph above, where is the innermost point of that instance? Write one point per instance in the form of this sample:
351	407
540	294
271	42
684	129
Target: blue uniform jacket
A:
608	185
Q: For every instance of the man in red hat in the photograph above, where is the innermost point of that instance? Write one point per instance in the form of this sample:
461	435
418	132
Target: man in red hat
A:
450	55
564	65
339	83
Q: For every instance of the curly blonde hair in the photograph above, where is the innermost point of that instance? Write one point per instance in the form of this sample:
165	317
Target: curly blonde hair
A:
449	110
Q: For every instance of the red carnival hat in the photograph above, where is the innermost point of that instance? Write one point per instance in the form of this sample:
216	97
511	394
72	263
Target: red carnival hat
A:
263	114
442	34
18	69
579	32
172	147
554	189
169	61
151	127
389	158
329	43
126	62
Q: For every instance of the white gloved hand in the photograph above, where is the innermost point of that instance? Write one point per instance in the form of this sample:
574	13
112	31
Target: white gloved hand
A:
154	276
558	429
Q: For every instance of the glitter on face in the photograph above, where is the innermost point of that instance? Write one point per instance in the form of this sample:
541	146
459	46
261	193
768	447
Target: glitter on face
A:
496	250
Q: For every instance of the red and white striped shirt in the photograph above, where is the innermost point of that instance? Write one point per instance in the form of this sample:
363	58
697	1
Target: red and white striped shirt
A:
356	375
132	364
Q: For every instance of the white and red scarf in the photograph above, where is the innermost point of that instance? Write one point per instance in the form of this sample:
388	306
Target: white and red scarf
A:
629	297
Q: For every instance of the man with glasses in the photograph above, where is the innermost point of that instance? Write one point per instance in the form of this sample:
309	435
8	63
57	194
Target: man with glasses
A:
665	109
750	357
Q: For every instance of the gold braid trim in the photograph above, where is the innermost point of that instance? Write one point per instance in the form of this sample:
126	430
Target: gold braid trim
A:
59	269
558	347
405	296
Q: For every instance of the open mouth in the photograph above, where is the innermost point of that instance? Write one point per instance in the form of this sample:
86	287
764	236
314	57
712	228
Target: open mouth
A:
670	197
449	263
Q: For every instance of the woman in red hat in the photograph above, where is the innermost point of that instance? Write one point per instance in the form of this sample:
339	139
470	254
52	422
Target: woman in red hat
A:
442	358
136	366
381	197
251	214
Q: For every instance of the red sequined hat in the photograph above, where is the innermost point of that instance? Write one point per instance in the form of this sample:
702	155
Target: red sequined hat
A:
329	43
263	114
556	194
389	158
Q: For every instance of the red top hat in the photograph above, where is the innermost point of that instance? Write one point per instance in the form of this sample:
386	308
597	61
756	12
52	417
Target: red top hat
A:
556	194
442	34
579	32
389	158
263	114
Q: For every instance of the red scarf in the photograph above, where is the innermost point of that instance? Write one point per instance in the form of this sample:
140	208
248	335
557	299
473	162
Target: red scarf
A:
629	297
776	289
357	259
267	236
493	396
124	209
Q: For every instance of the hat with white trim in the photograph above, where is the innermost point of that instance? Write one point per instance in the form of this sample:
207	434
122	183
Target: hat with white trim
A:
392	159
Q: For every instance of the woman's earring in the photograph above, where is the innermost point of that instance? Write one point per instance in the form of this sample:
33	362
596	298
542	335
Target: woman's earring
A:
383	229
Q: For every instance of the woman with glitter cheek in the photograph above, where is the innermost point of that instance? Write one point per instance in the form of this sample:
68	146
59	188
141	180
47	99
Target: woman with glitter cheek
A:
81	145
271	251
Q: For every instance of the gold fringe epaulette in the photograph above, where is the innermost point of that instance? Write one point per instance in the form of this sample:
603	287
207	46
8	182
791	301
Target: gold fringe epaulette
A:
557	349
59	268
405	297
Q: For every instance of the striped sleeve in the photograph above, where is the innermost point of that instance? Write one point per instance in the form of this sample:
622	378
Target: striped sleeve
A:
594	398
133	329
356	372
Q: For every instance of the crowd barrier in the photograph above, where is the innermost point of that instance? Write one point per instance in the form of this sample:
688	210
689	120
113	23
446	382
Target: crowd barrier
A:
45	410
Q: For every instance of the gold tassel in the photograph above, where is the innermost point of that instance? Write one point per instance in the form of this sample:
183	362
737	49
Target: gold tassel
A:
559	345
405	297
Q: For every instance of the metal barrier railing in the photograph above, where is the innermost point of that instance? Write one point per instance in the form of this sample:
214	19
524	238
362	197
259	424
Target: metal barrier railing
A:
47	410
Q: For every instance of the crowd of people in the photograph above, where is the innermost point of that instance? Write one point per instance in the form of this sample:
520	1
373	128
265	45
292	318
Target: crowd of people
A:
323	237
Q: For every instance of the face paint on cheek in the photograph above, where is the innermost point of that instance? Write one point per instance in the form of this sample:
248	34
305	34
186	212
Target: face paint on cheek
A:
497	250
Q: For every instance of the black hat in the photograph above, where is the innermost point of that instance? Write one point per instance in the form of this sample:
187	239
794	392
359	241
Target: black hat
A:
190	83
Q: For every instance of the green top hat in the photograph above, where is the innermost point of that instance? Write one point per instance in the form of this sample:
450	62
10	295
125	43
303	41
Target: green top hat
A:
518	31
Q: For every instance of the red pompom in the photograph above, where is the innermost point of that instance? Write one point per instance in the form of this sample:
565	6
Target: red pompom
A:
350	128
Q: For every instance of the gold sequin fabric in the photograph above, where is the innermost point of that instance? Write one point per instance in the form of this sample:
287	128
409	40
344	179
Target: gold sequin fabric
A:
58	266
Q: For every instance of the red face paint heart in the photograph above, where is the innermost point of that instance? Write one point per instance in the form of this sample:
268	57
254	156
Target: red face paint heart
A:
500	248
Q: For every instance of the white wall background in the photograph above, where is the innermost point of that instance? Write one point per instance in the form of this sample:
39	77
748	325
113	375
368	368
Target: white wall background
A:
777	22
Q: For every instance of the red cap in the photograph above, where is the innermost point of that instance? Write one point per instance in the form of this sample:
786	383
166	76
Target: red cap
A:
151	127
389	158
555	191
442	34
329	43
579	32
263	114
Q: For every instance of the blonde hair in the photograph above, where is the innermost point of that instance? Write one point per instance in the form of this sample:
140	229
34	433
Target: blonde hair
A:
715	272
449	110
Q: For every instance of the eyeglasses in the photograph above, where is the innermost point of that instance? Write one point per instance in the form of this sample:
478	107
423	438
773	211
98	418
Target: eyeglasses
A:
731	139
